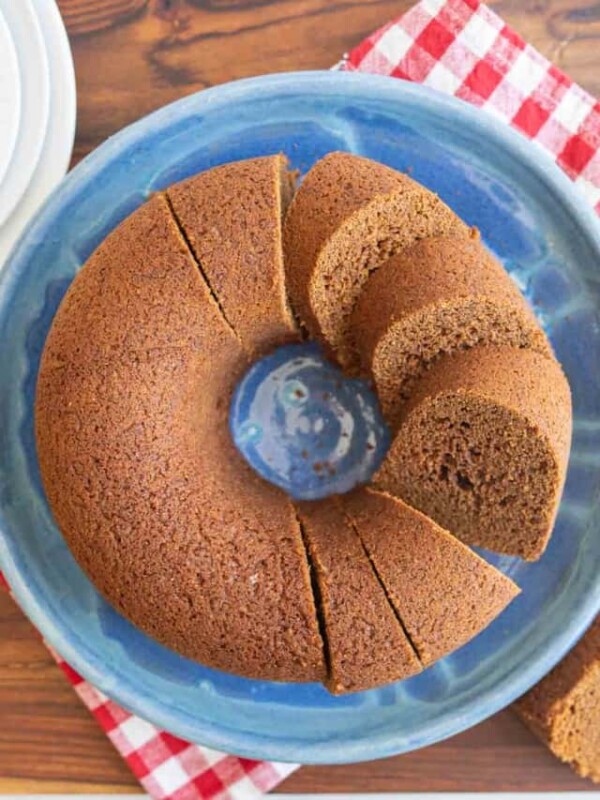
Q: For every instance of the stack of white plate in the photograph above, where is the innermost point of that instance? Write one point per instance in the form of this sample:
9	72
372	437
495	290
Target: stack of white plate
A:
37	111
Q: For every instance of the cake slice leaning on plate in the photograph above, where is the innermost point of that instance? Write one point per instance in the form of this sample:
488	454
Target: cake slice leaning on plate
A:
439	296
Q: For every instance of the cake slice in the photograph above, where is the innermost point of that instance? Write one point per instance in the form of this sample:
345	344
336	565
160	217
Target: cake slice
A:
443	592
232	217
564	708
436	297
156	504
483	446
366	644
347	218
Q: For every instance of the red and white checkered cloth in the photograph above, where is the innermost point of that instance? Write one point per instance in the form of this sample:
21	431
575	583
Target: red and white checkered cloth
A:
459	47
168	767
462	48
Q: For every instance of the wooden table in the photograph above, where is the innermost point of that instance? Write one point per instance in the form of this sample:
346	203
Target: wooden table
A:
132	56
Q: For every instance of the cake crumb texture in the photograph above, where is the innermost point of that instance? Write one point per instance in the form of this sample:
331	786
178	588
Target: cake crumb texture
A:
563	710
440	295
483	448
366	645
348	217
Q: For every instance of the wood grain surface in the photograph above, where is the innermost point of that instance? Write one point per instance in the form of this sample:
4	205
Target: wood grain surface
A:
132	56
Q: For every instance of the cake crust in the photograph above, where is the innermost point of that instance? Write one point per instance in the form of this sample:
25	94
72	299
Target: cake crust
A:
157	506
232	217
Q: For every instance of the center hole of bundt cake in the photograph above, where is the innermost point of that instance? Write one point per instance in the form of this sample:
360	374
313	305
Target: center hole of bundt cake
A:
306	427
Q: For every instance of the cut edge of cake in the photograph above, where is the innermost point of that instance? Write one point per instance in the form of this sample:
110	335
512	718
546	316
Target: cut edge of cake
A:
441	295
348	216
232	219
366	645
449	453
563	709
415	560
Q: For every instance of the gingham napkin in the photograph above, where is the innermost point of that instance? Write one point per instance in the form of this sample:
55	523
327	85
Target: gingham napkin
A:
459	47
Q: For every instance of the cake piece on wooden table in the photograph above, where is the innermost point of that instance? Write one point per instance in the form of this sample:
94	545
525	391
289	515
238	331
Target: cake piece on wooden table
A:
157	506
366	644
564	708
442	591
436	297
483	447
348	217
232	217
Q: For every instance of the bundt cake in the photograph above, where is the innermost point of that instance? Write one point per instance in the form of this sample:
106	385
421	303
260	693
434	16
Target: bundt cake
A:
443	592
175	527
483	446
231	216
564	708
365	642
436	297
349	215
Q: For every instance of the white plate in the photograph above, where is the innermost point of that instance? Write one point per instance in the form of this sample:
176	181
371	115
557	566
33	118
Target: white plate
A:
57	145
32	59
10	97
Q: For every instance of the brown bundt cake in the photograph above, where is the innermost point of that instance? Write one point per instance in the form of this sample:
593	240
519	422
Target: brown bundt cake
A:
231	216
138	465
438	296
177	530
348	217
366	645
483	447
564	708
443	592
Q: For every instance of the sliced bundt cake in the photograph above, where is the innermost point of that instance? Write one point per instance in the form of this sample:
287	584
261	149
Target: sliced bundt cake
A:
232	217
366	644
443	592
176	531
436	297
483	447
348	217
182	536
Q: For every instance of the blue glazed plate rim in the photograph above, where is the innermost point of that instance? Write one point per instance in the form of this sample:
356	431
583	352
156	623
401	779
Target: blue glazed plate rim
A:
242	742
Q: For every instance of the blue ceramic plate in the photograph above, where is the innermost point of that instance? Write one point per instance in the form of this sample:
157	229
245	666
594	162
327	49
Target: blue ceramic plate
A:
548	238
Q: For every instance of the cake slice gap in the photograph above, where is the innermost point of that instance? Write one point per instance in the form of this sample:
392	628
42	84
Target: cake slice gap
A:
200	268
365	643
442	591
232	218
